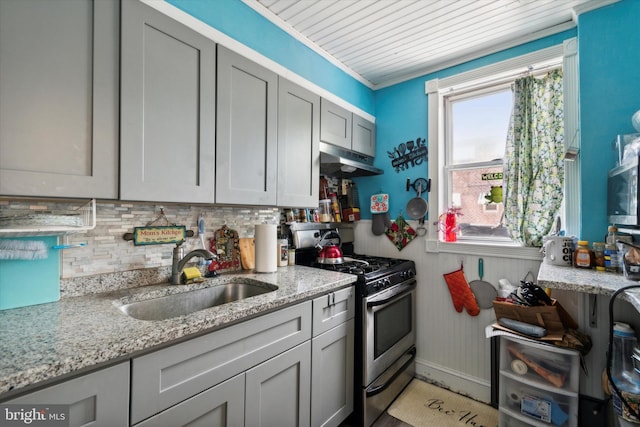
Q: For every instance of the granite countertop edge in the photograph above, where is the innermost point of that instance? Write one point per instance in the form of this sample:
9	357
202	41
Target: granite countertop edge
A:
588	281
47	342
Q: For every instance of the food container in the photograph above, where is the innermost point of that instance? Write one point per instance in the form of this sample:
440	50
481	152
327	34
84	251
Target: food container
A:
630	260
324	210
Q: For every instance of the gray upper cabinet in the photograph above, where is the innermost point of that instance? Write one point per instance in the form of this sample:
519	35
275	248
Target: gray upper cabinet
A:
246	142
298	145
339	126
59	68
364	136
335	124
168	109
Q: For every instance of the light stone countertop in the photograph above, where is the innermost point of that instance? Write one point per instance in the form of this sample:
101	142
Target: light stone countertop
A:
587	280
51	341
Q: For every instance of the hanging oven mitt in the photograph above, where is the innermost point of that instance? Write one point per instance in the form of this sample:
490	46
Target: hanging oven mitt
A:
461	292
400	233
380	213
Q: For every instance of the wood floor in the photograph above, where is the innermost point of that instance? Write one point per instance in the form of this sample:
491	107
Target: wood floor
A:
385	420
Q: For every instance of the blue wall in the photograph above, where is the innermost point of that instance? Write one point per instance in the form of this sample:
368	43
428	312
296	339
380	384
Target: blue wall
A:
609	55
609	42
401	115
240	22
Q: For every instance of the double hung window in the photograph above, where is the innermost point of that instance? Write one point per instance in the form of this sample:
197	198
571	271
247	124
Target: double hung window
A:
470	141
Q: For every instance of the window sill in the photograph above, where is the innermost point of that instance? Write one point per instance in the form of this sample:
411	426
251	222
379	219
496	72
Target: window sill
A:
484	249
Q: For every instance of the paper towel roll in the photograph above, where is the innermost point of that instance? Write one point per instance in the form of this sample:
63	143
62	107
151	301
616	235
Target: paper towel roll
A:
266	241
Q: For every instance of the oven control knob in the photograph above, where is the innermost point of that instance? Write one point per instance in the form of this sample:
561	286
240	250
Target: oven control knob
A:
385	283
407	274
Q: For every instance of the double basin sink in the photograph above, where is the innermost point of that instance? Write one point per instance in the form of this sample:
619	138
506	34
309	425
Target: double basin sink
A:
179	304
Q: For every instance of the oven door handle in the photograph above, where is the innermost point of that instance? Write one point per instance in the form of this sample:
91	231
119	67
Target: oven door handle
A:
377	389
402	290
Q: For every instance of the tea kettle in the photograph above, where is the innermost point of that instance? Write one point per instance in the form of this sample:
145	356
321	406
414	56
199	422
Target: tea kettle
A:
329	253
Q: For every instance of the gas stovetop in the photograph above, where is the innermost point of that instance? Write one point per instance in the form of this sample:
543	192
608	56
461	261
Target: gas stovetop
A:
374	273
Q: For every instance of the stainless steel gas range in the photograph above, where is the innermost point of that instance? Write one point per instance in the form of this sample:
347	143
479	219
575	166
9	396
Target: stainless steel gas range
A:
385	319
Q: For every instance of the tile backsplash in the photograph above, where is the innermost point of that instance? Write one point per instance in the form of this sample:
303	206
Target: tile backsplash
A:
107	251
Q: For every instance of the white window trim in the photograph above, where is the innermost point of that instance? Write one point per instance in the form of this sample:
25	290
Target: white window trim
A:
436	89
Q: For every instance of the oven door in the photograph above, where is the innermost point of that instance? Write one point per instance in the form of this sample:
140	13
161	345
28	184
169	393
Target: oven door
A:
388	328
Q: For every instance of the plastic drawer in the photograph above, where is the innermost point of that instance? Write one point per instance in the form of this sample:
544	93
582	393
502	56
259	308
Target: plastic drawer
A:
542	405
508	420
562	363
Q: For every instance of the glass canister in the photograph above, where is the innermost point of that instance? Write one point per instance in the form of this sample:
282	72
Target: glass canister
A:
598	253
324	210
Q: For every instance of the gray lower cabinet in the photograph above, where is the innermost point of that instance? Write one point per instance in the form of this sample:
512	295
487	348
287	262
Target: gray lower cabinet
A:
167	377
59	99
332	358
278	390
220	406
335	124
97	399
298	146
168	109
363	136
247	134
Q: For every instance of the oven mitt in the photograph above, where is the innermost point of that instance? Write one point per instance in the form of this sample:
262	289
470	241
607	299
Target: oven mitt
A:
401	233
461	292
379	223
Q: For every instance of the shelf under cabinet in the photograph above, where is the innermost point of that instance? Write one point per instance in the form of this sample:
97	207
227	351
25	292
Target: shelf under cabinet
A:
18	225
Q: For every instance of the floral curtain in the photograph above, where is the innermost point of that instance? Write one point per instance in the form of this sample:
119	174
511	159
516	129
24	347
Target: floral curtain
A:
534	165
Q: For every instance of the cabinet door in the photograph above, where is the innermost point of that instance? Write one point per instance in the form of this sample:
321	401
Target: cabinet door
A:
278	391
168	376
98	399
246	144
168	109
333	309
335	124
59	68
220	406
364	136
298	146
332	375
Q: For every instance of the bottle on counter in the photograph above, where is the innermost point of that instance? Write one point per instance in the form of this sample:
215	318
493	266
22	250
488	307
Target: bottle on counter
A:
612	260
583	256
598	254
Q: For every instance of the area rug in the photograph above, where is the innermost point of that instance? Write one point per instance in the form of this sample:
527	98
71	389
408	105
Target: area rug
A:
424	405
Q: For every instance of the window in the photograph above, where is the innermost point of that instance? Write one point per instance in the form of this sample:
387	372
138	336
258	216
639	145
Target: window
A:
476	128
468	118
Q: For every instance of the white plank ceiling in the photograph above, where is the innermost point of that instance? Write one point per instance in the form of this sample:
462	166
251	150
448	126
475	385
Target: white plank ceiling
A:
383	42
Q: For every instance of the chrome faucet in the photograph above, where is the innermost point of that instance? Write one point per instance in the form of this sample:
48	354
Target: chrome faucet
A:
178	262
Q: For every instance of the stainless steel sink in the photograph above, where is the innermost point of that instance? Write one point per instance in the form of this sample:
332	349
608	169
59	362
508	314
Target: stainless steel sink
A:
187	302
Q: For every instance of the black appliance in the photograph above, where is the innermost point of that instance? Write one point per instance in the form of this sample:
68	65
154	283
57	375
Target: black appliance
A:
384	324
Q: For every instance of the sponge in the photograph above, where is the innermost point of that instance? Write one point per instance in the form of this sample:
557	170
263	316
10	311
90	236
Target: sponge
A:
191	275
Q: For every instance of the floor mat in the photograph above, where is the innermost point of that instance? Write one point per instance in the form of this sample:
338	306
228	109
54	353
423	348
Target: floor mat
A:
424	405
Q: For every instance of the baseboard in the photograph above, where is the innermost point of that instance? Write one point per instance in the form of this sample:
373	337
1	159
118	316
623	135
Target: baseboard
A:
459	382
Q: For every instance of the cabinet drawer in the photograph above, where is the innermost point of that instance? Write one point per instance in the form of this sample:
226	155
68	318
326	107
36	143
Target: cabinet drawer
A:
166	377
539	405
562	364
333	309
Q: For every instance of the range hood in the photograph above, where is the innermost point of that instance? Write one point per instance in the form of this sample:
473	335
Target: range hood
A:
342	163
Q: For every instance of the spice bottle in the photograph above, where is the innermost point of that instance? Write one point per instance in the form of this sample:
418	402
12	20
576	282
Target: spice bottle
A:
582	256
598	254
612	260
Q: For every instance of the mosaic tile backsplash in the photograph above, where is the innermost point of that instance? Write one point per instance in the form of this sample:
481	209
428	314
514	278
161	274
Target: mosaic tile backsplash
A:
107	251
